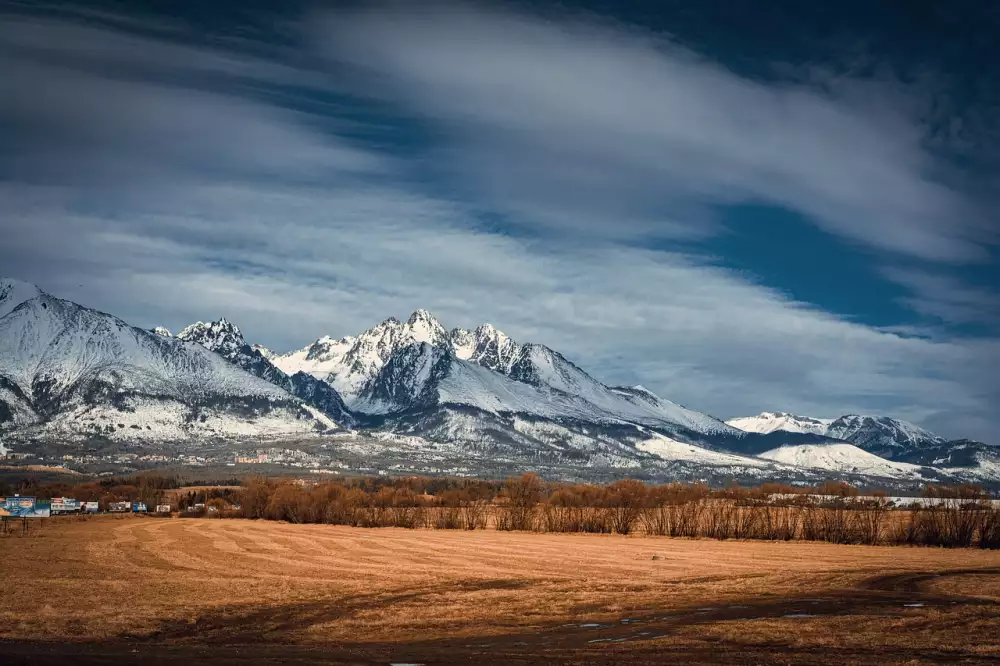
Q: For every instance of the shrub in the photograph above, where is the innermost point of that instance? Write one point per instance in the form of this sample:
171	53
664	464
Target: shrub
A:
624	501
520	498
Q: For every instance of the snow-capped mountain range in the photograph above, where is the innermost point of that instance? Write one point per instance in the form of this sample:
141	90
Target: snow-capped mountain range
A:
226	340
69	371
349	364
886	437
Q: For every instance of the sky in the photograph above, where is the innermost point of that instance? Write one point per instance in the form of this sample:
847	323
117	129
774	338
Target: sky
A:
790	208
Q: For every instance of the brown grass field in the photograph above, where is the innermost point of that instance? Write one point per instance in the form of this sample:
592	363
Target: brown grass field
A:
124	590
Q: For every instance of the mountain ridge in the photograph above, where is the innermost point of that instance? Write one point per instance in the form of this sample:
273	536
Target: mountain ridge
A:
79	372
225	339
68	369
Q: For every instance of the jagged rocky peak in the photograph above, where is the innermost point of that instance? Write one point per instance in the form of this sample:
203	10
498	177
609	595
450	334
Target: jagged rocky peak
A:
408	379
214	335
424	327
463	342
224	338
326	348
163	332
391	335
489	332
491	348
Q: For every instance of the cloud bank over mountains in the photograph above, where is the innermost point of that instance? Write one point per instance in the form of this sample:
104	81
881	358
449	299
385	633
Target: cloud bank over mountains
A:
557	174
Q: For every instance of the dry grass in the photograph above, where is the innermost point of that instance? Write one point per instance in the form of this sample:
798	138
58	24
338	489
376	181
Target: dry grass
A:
436	596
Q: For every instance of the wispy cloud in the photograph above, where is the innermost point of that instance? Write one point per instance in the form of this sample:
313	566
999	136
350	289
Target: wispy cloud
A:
946	298
92	105
565	121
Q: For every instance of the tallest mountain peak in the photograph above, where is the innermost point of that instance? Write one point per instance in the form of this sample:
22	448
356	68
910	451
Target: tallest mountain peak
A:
424	327
422	315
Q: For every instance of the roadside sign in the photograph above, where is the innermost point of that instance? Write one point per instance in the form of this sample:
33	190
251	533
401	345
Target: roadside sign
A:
139	507
162	508
65	505
91	507
119	507
25	507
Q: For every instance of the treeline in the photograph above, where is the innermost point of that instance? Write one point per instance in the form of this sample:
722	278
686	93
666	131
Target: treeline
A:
149	488
833	512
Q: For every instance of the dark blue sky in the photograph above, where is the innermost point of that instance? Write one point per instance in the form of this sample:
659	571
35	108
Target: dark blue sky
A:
743	206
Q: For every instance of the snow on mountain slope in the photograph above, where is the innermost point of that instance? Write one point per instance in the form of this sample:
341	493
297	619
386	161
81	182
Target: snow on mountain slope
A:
157	419
881	435
486	346
766	422
225	339
843	459
964	458
56	343
562	389
542	367
423	376
61	363
669	449
15	292
349	363
659	408
318	359
165	332
985	468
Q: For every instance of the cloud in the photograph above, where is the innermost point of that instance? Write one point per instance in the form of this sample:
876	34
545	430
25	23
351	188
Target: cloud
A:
83	105
141	190
946	298
311	261
573	122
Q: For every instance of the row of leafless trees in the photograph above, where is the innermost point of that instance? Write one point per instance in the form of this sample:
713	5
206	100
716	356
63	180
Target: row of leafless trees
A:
629	506
353	505
954	523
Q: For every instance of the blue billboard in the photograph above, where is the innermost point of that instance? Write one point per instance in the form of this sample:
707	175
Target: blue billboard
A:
139	507
24	507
